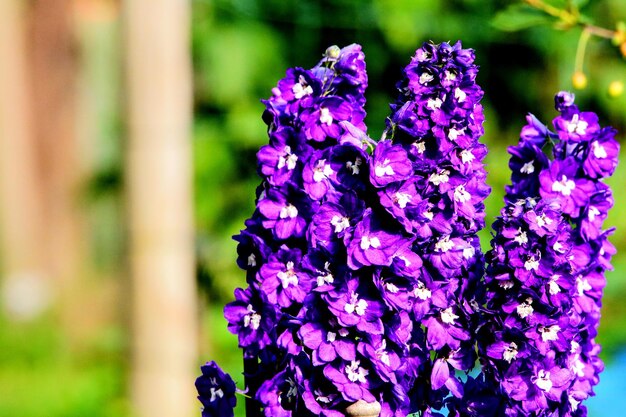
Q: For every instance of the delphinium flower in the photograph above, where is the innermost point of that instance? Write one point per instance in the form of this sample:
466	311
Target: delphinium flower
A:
216	391
545	273
430	178
314	174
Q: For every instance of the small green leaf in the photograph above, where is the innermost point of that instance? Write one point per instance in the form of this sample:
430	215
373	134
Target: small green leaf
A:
519	16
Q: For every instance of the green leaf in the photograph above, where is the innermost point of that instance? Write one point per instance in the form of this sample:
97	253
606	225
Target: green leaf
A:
519	16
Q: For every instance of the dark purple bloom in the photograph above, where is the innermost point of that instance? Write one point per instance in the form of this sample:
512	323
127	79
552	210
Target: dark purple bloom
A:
250	319
216	391
373	244
563	183
389	164
284	214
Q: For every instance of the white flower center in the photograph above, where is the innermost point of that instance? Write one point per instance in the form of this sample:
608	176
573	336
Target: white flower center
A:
421	291
549	333
322	171
320	398
447	316
382	354
553	286
453	134
434	103
439	177
402	199
355	305
576	125
325	116
391	288
521	237
510	352
531	264
301	89
528	168
459	95
420	146
469	252
288	276
426	78
593	212
506	284
215	394
288	159
444	244
564	186
252	319
598	150
251	260
293	390
582	285
367	242
289	211
467	156
525	309
384	169
324	279
543	380
461	195
543	220
354	166
355	373
340	223
331	337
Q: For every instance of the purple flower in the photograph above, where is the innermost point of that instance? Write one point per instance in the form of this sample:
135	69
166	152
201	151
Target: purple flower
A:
389	164
284	213
327	344
562	182
372	243
282	280
323	120
250	319
352	379
216	391
354	306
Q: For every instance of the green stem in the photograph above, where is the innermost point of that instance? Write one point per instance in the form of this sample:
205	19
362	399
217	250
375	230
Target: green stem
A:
580	50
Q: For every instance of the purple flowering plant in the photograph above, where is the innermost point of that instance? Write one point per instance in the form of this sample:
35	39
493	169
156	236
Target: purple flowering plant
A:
366	280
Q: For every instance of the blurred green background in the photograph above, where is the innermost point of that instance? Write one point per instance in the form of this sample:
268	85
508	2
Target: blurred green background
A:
240	49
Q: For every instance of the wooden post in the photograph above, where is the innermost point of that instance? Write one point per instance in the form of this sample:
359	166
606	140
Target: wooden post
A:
21	222
159	198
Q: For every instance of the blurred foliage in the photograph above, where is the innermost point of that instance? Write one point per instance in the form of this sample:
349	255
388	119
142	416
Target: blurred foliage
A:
40	376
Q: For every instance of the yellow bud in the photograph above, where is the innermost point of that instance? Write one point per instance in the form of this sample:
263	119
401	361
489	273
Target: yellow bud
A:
616	88
579	80
622	49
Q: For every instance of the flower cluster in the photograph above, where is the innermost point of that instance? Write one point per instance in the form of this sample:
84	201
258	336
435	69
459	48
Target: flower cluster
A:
299	318
545	273
358	264
365	276
438	197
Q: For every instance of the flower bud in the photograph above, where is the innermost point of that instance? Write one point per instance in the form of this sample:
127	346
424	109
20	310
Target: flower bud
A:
332	52
579	80
616	89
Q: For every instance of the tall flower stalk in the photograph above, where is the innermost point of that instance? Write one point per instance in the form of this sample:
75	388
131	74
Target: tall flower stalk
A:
437	122
545	273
